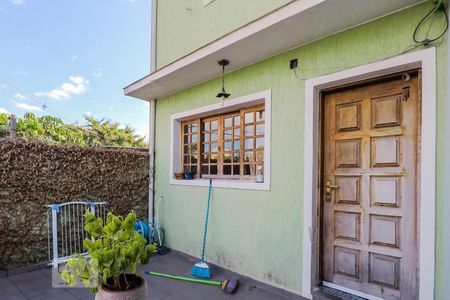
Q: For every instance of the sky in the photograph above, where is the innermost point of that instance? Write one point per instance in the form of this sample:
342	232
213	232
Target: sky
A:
73	58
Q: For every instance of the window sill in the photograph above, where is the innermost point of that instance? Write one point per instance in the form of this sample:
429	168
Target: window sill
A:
223	183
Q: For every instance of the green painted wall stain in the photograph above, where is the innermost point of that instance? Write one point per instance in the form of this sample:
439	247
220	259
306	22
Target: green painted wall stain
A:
259	233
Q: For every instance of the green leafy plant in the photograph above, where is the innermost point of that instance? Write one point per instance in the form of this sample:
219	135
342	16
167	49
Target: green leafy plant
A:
53	130
114	248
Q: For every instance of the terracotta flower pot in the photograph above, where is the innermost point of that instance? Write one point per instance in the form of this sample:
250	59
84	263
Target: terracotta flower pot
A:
137	292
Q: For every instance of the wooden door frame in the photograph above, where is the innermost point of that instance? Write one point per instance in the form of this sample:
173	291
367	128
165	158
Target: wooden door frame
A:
424	60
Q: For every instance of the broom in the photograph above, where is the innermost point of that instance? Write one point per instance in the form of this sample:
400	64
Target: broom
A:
201	269
229	286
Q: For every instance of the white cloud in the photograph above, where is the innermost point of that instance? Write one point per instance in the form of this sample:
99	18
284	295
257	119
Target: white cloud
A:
27	107
88	114
18	2
20	96
77	86
4	111
73	58
97	72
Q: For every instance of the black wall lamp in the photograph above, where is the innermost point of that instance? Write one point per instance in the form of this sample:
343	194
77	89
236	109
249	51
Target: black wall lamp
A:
222	94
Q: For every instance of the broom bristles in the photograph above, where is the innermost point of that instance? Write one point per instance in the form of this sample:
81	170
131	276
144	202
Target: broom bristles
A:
201	269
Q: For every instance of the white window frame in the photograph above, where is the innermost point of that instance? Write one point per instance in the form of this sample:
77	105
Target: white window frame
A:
259	98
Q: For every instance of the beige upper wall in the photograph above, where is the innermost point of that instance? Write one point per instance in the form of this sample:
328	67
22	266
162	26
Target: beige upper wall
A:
183	26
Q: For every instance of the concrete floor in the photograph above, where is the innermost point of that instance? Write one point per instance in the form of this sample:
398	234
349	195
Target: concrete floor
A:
37	284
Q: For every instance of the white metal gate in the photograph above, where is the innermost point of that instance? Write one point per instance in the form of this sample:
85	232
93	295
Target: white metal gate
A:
66	228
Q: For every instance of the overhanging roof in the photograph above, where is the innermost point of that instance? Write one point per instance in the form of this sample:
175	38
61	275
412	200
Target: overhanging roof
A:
297	23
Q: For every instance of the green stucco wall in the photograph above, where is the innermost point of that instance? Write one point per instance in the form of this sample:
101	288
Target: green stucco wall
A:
259	233
186	25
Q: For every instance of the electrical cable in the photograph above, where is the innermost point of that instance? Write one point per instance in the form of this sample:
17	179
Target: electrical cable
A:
426	41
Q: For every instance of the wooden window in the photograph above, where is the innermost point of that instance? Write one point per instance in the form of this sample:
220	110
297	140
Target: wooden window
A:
253	156
210	147
190	142
229	146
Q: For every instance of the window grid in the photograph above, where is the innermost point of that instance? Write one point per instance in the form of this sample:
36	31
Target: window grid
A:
210	147
253	140
190	142
225	146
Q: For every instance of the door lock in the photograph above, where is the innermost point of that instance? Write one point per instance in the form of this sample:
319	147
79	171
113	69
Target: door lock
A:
328	188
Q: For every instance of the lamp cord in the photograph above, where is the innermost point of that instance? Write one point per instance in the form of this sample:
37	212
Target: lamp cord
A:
426	41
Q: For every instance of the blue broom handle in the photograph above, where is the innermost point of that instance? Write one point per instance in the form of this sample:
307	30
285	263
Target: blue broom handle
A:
206	221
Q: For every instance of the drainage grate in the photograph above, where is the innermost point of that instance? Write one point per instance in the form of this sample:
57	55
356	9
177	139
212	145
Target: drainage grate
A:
339	294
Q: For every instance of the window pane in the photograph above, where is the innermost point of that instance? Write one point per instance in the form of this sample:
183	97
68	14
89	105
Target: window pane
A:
227	146
260	143
193	159
247	170
249	130
237	132
236	145
248	143
213	147
260	115
186	159
194	138
259	156
205	147
194	169
226	170
186	129
248	156
206	137
227	134
236	157
236	169
205	159
260	129
194	128
213	170
186	139
213	158
206	126
237	121
248	117
187	149
213	136
228	122
204	169
194	148
227	157
214	125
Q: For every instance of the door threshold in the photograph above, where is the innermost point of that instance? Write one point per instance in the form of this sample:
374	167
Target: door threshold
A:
344	293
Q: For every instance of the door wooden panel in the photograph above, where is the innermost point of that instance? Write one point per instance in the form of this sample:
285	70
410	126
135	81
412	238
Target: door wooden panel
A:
369	221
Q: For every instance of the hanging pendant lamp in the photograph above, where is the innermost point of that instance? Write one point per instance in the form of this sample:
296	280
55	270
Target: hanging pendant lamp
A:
223	94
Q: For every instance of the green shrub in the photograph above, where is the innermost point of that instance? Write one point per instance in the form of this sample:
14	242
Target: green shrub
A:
114	248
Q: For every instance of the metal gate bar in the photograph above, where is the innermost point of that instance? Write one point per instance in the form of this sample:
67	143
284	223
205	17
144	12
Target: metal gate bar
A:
66	228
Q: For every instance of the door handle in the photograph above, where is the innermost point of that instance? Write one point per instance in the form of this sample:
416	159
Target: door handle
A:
328	189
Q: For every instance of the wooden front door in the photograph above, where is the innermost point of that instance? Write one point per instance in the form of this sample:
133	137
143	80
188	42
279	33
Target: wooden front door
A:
370	160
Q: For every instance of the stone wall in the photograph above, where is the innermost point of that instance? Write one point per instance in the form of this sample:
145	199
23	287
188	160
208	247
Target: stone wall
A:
34	174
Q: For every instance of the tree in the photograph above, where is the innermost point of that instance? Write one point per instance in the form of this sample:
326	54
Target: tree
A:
53	130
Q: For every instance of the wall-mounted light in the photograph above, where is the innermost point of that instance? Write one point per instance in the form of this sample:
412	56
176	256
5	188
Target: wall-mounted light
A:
222	94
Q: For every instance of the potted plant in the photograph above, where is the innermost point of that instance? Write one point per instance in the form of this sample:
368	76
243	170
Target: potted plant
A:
115	249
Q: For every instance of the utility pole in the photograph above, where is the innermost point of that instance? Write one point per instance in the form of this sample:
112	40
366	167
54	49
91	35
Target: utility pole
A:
12	126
